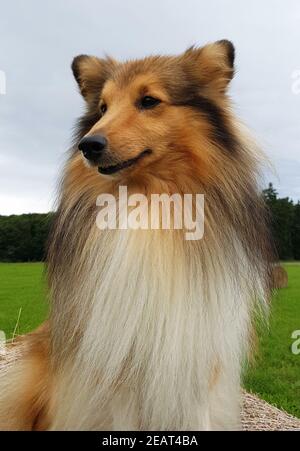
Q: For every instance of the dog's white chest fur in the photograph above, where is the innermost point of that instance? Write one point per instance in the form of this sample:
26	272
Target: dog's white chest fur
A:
162	346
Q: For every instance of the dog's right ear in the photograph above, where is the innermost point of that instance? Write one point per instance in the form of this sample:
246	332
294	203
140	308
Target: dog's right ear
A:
91	73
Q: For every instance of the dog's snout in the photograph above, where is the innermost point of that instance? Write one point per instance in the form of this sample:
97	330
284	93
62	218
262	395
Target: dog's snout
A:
92	147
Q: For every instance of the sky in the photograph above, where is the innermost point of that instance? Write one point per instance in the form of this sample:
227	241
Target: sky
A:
39	100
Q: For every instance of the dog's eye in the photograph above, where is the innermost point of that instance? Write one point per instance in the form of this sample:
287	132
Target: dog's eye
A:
148	102
103	108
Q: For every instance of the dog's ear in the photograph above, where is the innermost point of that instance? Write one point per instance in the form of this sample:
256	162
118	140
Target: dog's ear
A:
91	73
212	64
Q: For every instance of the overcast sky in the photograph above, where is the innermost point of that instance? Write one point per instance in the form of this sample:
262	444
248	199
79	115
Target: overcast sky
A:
38	40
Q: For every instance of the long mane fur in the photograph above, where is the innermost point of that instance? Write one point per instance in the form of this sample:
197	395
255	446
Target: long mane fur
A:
147	330
147	317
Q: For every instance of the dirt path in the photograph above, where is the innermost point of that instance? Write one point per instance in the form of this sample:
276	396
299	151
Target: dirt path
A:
258	415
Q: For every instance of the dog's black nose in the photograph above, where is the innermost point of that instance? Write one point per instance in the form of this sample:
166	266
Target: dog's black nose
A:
92	147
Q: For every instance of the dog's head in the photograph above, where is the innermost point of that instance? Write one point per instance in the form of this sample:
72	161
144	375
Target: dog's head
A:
154	112
163	125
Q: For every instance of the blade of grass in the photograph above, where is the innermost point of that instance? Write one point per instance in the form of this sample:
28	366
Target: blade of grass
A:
17	324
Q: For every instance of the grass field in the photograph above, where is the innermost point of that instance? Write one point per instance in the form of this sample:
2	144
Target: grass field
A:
22	295
275	375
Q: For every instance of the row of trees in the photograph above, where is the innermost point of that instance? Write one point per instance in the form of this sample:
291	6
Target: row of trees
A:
23	237
285	222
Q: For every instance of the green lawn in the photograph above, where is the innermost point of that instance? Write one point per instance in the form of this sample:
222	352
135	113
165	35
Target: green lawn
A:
22	297
275	376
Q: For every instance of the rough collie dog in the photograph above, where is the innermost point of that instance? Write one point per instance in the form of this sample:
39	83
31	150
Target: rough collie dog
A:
148	330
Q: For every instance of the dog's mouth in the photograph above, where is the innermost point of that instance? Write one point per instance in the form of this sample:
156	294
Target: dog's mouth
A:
124	164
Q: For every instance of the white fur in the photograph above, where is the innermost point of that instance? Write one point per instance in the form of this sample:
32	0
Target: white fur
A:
162	314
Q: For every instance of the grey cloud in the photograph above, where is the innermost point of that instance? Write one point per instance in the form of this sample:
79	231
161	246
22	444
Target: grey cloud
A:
39	39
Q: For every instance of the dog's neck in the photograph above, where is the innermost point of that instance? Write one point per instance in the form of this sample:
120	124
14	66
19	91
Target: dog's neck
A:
129	304
140	303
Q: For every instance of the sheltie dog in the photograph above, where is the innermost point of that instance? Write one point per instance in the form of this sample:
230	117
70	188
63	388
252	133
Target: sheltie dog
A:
148	330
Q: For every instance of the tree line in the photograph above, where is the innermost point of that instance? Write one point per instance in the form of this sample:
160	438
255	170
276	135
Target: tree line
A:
285	224
23	237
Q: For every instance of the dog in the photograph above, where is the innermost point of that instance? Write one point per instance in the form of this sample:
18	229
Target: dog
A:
148	330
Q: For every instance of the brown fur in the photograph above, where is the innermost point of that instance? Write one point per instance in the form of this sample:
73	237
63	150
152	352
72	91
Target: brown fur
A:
196	147
27	408
280	277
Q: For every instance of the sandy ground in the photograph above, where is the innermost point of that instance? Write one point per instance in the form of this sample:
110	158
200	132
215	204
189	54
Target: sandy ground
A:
258	415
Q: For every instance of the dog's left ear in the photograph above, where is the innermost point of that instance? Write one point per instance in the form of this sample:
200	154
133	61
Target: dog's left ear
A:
91	73
212	64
